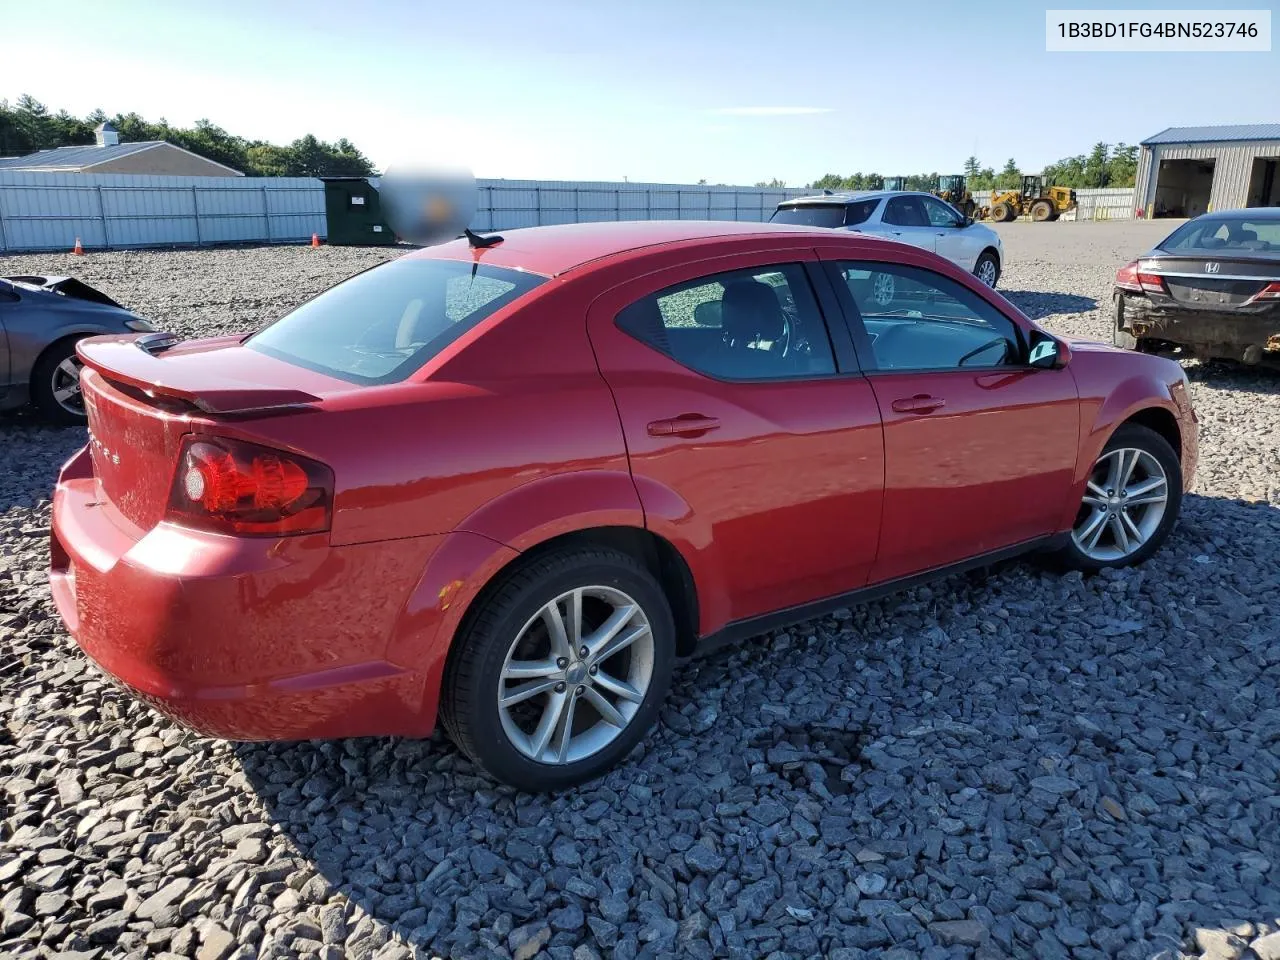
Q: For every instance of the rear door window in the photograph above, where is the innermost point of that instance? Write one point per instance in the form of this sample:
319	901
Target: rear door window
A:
762	323
382	325
905	212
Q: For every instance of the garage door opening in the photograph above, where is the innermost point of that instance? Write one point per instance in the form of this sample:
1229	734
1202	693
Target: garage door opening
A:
1183	187
1264	184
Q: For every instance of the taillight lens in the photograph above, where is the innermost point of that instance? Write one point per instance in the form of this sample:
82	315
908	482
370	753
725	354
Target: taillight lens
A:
231	486
1152	283
1270	292
1127	277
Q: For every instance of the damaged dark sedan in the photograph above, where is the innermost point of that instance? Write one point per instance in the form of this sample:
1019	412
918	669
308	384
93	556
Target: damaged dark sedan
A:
1211	289
41	319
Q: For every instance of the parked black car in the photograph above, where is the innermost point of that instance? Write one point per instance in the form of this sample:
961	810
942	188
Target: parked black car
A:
41	318
1211	289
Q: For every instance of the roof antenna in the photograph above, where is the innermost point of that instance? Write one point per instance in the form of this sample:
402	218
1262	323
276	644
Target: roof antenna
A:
826	193
478	241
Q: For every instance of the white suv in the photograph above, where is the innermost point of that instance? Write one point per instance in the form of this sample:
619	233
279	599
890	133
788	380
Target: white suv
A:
920	219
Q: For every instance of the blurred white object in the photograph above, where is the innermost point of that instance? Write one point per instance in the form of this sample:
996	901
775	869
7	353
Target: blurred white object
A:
426	204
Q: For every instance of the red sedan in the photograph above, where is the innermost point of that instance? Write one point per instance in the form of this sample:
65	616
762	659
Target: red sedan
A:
510	481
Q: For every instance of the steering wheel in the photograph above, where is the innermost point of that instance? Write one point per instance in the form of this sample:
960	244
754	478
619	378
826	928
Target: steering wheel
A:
983	348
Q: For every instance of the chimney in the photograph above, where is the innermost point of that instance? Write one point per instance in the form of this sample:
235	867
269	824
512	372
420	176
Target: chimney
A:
106	135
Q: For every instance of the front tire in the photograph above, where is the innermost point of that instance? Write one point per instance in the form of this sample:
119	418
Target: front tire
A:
561	671
55	385
1130	504
987	269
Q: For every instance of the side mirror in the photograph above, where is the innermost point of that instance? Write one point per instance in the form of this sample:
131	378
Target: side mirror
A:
968	222
1048	353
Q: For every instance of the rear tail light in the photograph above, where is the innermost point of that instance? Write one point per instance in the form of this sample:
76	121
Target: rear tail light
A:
1152	283
1270	292
1127	277
230	486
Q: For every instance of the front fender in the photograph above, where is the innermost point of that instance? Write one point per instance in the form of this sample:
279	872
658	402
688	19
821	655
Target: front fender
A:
1100	417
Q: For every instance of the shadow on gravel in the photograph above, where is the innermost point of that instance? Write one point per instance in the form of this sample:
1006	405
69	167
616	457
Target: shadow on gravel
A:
31	454
1037	305
1031	761
1221	375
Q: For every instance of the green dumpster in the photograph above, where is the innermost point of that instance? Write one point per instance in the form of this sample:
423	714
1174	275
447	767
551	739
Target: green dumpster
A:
354	214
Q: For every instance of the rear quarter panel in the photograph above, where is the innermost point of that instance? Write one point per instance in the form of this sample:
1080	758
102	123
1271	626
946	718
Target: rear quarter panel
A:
485	441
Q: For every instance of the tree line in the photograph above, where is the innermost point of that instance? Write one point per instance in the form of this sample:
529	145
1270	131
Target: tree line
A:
28	125
1104	166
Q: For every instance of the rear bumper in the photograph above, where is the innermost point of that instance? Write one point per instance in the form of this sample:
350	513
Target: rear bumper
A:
1250	335
240	638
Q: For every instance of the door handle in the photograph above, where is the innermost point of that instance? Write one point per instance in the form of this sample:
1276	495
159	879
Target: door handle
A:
920	403
685	425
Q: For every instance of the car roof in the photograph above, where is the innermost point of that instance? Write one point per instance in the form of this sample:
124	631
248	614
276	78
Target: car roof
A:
554	250
1248	213
855	196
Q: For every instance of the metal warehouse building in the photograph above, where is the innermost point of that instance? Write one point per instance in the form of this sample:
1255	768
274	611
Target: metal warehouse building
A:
1187	171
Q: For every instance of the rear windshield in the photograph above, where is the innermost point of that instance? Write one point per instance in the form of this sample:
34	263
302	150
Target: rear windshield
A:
826	214
382	325
1226	235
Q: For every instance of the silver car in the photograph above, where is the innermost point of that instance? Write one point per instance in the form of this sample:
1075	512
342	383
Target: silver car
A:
920	219
41	318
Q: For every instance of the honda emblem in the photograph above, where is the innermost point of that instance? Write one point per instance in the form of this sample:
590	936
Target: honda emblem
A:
1212	267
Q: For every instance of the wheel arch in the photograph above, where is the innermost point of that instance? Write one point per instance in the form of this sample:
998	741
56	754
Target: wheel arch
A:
1141	400
1161	421
65	336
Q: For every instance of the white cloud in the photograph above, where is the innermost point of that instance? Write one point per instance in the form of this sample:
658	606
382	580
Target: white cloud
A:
768	111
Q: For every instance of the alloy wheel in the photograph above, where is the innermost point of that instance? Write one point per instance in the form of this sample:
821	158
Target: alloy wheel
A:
883	289
66	386
575	675
1124	501
987	272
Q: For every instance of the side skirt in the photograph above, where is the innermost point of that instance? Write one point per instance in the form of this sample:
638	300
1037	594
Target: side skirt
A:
754	626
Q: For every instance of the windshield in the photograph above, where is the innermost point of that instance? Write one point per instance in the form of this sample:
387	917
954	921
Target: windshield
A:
382	325
1224	235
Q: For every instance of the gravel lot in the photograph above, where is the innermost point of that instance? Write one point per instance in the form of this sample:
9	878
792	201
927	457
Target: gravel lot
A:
1025	764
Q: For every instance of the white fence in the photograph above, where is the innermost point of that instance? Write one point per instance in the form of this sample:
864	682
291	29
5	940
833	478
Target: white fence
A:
48	211
1105	204
507	204
43	211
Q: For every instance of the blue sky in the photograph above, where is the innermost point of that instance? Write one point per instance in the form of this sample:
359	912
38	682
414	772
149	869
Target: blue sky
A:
656	90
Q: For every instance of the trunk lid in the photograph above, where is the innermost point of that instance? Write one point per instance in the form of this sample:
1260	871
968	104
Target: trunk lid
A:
1213	283
140	404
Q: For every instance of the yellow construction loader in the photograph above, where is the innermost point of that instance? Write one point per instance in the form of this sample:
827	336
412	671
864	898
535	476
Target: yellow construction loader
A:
952	189
1041	202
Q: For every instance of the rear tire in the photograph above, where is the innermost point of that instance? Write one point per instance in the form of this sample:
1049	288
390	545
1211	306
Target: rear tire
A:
1041	211
55	385
508	643
1121	506
1121	337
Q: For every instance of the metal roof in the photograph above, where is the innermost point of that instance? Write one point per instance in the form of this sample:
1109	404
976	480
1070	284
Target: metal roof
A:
75	158
1219	134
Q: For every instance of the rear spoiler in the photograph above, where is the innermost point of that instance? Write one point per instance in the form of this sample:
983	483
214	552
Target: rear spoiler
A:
127	360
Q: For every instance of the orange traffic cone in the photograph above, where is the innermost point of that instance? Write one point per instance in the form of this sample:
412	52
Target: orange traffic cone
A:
315	240
78	250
